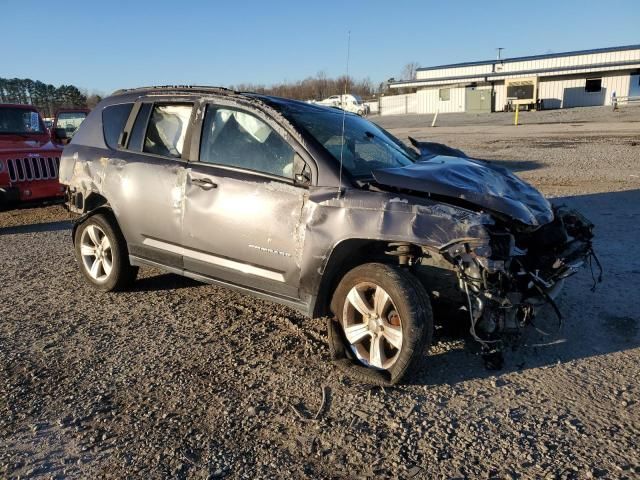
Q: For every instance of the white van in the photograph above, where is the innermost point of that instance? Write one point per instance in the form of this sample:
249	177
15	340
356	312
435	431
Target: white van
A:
348	102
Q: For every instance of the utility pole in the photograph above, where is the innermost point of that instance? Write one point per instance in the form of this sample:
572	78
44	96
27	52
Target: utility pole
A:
499	49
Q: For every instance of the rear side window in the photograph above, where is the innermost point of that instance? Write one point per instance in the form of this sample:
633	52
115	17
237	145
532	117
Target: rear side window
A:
114	118
167	130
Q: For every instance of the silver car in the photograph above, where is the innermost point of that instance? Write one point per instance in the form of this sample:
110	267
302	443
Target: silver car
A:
317	209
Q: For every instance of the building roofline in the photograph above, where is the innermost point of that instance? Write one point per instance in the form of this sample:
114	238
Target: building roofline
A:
632	64
532	57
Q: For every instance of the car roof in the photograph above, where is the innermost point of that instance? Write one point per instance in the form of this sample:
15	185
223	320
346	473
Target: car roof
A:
279	103
175	89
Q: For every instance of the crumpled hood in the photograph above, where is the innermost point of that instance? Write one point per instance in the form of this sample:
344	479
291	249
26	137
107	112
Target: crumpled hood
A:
489	186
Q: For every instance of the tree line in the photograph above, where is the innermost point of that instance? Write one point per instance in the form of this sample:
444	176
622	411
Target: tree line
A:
48	98
313	88
45	97
320	86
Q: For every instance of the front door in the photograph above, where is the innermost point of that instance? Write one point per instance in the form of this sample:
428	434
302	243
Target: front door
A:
243	210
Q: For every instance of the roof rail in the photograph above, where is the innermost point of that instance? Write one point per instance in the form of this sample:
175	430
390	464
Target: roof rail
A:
190	88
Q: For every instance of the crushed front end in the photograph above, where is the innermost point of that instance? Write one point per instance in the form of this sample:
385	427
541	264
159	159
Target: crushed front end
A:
507	278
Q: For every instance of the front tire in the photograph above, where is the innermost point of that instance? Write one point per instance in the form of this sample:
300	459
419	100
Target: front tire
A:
101	252
383	322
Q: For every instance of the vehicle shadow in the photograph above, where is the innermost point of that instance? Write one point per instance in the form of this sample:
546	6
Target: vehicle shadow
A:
37	228
163	281
595	323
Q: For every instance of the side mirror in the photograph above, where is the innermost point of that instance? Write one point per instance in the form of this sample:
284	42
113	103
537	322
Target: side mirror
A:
302	172
60	133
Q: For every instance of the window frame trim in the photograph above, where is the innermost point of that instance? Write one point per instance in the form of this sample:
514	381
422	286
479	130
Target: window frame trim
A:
143	103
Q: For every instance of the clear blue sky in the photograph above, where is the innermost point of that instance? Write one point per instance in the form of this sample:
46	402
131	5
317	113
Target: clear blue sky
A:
105	45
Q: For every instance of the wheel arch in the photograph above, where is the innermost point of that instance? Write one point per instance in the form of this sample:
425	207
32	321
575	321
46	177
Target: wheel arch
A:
344	256
93	205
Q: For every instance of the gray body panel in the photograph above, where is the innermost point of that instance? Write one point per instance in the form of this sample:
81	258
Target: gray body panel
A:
144	193
247	217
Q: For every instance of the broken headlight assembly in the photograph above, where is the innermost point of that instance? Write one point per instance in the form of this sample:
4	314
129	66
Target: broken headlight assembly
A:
507	276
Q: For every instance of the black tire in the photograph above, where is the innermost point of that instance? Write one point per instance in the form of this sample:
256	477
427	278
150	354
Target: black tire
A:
122	273
414	308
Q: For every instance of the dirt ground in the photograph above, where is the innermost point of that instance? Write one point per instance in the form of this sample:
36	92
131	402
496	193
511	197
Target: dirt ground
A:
183	380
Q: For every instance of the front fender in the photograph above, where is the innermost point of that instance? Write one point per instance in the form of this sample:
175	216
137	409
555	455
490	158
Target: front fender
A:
343	226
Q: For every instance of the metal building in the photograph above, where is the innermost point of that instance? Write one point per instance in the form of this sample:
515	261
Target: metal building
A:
558	80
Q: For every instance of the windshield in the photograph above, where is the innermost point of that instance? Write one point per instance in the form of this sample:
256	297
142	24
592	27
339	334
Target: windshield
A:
20	121
367	147
70	121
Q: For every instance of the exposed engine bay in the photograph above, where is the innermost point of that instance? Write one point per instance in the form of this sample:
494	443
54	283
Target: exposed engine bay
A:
506	280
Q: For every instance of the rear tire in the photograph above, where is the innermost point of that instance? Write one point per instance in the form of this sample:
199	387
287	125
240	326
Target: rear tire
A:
382	344
101	253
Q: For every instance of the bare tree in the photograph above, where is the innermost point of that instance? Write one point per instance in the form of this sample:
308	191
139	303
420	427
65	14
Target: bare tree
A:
313	88
93	98
409	71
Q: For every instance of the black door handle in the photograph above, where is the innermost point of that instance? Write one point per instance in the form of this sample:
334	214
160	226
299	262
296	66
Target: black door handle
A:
204	183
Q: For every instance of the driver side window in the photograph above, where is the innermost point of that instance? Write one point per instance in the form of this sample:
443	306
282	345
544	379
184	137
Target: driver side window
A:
238	139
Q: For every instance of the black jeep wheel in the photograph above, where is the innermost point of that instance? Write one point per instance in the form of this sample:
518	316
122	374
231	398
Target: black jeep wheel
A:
383	322
101	252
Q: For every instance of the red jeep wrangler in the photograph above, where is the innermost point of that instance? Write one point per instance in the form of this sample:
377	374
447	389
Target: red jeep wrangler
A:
29	160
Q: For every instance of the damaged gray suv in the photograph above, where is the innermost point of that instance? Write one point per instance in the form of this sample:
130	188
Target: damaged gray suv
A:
316	209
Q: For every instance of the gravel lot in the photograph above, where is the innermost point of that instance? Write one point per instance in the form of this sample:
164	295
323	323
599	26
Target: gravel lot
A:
184	380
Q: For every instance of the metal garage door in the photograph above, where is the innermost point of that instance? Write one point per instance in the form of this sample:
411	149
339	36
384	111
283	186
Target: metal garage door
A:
477	101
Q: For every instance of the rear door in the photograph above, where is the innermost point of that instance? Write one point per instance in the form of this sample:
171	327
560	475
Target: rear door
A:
243	208
152	180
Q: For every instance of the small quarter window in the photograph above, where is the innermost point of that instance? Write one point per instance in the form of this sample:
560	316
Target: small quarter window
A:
114	118
238	139
593	85
167	130
444	94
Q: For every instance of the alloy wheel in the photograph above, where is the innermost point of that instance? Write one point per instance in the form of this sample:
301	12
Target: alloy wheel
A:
96	253
372	325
